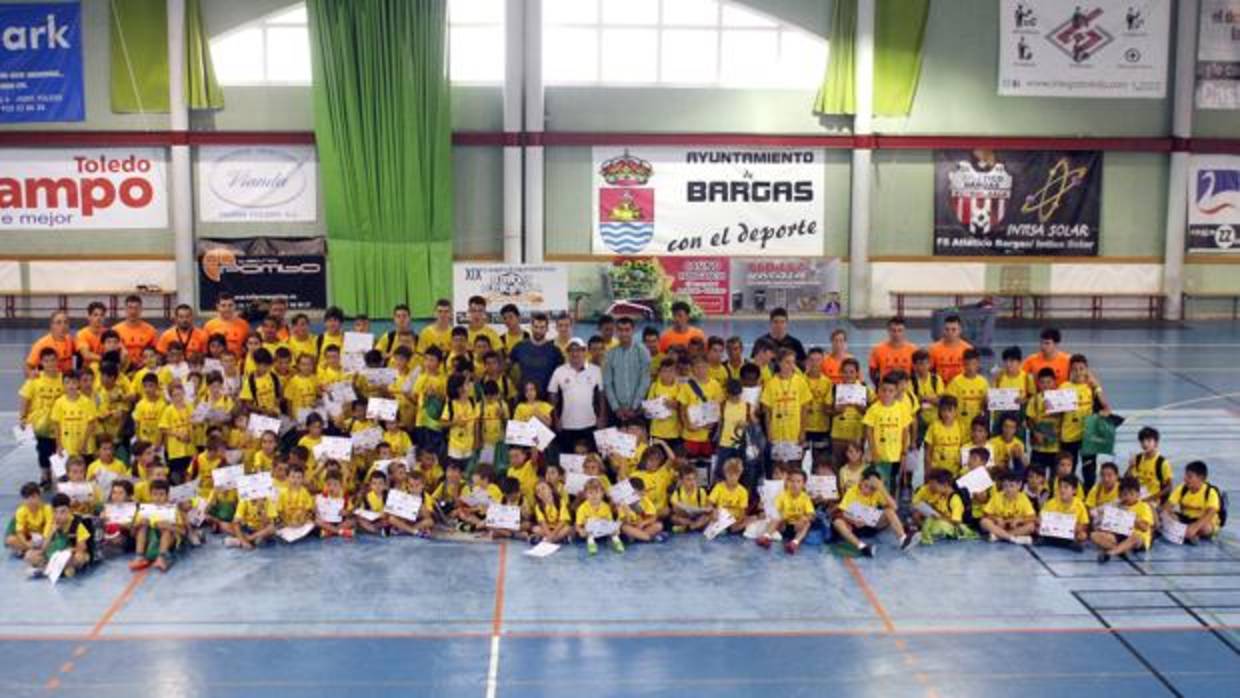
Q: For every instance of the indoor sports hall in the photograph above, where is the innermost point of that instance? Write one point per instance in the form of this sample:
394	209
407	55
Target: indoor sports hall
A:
619	347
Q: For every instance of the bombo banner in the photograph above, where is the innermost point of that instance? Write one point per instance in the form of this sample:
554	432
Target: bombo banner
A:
724	202
1014	203
262	269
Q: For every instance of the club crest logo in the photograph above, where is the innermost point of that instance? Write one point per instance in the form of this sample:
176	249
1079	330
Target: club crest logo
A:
1217	190
979	191
1081	36
625	206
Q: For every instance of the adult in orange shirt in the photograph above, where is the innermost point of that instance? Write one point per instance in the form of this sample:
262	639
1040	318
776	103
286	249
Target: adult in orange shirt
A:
89	340
832	363
679	334
192	339
136	334
57	338
226	322
894	354
947	354
1049	356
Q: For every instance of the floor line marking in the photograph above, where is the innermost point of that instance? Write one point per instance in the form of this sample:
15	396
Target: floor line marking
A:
889	628
97	630
1117	633
497	623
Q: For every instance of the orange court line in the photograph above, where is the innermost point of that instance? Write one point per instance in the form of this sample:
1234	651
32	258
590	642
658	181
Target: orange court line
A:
870	596
497	616
621	634
95	632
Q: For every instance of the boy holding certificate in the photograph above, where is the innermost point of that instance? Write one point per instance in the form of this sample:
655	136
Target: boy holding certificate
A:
157	536
1136	533
1009	515
866	509
795	514
253	524
1064	501
594	509
1196	503
65	531
938	509
691	508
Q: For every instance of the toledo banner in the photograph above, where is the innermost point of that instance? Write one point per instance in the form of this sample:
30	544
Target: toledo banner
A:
995	203
41	63
1214	203
1067	48
708	201
1218	55
83	188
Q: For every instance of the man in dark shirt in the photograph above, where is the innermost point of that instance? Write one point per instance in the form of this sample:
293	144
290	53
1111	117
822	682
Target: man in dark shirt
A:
536	356
779	337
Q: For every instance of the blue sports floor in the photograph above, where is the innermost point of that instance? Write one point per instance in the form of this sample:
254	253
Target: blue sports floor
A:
423	618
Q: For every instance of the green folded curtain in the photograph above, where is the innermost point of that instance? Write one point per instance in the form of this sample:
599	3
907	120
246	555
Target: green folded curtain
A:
899	29
383	127
139	32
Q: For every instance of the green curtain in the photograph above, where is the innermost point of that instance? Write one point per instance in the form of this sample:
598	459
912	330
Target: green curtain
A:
202	91
139	60
899	29
383	128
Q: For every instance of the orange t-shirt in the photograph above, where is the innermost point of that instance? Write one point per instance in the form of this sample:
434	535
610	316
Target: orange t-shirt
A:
948	361
884	358
235	331
88	340
63	347
832	368
1059	364
194	341
135	338
672	338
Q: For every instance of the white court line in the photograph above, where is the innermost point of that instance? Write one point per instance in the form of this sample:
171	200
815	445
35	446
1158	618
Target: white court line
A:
1194	401
493	667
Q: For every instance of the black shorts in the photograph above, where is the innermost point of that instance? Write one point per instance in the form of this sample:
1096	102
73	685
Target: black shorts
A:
1043	460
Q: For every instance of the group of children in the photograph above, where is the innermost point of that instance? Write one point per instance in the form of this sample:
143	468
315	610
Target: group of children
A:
144	448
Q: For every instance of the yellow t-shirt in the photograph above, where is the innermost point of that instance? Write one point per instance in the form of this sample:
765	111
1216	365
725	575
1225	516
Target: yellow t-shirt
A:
698	498
846	422
668	427
116	466
399	441
889	423
657	483
784	399
1073	426
256	513
462	438
929	387
948	505
1099	497
587	512
793	508
970	394
296	506
176	419
1020	382
1151	474
432	336
1001	507
1195	504
689	397
734	499
854	495
428	384
820	393
527	475
1048	425
146	416
27	522
494	420
301	392
526	411
73	418
265	386
303	347
945	442
552	515
41	392
493	491
1145	514
112	404
733	417
1002	450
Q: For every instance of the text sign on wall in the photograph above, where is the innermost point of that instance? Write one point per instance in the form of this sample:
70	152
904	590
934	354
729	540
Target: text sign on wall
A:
1218	55
531	287
257	183
41	63
708	201
83	188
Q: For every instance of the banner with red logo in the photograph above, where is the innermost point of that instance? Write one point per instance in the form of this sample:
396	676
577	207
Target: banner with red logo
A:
83	188
1017	203
704	279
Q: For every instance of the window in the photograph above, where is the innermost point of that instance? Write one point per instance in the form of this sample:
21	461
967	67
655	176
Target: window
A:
275	50
697	43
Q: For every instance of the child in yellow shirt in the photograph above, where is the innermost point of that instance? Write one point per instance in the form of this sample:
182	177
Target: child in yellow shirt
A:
731	496
595	509
25	530
1142	536
691	507
795	514
552	522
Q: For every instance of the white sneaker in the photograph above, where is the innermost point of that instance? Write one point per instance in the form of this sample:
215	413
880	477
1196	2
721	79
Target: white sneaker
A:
231	542
1022	540
994	538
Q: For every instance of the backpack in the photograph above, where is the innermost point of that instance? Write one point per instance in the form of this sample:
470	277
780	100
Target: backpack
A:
282	404
1223	504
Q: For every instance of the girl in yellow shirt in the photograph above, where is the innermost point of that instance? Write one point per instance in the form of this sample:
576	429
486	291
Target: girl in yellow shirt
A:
462	416
532	406
667	389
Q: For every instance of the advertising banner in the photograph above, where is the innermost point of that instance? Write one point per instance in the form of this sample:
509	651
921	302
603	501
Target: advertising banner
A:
703	279
83	188
708	201
531	287
800	286
271	183
263	268
1067	48
1218	55
41	63
1017	203
1213	203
